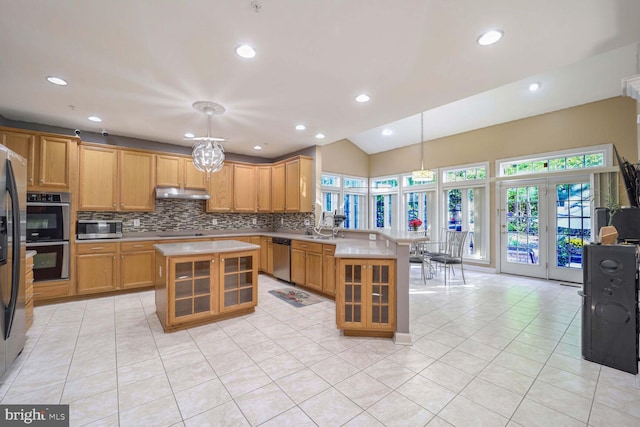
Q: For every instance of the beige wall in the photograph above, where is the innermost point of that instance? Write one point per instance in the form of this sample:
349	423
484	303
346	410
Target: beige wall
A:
344	157
608	121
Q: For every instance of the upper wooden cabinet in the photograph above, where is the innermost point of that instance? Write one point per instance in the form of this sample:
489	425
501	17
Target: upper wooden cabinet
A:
292	185
221	190
136	181
278	183
115	180
98	179
244	188
48	157
175	171
263	188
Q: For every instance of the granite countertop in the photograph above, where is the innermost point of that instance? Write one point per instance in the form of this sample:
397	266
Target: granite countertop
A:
201	248
356	245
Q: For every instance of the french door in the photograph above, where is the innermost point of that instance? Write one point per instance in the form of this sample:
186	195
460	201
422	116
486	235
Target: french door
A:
544	224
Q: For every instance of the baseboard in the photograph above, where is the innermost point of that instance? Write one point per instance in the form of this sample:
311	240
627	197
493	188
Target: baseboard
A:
401	338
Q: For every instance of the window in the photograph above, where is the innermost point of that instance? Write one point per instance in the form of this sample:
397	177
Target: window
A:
466	204
594	157
355	202
346	195
420	202
384	202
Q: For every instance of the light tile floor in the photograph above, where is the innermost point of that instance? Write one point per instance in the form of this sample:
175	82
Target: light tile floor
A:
501	350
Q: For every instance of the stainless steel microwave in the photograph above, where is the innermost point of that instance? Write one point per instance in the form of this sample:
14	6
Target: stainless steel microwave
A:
96	229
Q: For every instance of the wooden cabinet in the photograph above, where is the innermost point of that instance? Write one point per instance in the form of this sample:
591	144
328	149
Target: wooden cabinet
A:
192	290
292	185
264	253
176	171
28	291
306	264
192	295
365	298
98	179
269	256
137	263
238	281
221	190
96	266
329	270
115	180
135	185
48	157
263	188
23	144
278	183
244	188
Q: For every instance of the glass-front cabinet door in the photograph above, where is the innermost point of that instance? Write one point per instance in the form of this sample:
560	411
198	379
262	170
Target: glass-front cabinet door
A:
238	279
365	298
192	294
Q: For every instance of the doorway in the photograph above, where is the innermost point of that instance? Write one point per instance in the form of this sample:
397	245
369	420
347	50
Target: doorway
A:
543	225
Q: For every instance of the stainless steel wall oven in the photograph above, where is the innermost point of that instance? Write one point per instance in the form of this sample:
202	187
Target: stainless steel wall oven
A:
48	231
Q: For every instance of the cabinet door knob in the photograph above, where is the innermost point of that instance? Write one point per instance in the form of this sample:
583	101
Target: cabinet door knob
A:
41	180
213	261
114	205
121	256
114	257
122	205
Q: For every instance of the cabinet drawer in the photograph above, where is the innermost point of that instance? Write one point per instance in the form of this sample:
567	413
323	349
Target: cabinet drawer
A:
96	248
306	246
136	246
329	250
42	291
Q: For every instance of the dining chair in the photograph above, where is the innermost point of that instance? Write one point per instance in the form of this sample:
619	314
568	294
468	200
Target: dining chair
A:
452	255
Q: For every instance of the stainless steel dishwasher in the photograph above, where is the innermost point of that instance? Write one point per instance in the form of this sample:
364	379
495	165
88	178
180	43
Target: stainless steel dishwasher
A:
282	258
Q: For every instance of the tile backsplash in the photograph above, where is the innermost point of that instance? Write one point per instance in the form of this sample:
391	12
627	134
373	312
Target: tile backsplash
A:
174	215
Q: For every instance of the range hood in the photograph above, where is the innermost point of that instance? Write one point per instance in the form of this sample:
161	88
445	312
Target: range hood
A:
181	193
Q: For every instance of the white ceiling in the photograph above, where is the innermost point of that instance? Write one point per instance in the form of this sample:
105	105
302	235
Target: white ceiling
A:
141	64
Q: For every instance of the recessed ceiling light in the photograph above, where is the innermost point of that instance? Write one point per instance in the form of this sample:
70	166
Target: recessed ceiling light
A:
95	119
387	132
363	97
535	86
189	135
320	135
257	147
57	81
490	37
300	127
245	51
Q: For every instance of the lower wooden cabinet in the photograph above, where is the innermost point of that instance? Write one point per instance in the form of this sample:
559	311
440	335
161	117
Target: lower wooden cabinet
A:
306	264
192	290
366	297
329	270
103	267
137	262
96	266
28	291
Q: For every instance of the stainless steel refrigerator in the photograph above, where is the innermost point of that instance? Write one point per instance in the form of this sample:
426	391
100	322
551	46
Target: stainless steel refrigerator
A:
13	223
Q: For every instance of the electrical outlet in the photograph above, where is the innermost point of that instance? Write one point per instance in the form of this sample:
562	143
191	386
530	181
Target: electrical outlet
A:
214	222
255	221
307	222
281	221
136	222
372	236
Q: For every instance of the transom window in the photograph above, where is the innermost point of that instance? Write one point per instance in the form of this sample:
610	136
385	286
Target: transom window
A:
554	162
465	174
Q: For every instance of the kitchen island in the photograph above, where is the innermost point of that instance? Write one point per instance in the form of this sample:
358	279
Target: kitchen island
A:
202	282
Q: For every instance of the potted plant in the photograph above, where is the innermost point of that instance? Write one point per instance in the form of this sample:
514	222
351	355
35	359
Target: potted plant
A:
415	223
608	234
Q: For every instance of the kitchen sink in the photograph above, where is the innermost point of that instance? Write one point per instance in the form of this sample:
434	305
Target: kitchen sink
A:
321	237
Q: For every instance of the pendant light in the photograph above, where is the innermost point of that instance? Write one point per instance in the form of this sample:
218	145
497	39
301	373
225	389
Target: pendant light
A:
208	153
422	175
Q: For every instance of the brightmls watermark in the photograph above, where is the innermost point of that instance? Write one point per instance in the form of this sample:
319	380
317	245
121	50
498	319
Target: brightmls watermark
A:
34	415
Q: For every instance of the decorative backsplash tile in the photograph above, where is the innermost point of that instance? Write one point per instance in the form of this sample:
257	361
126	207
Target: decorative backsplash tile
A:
174	215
